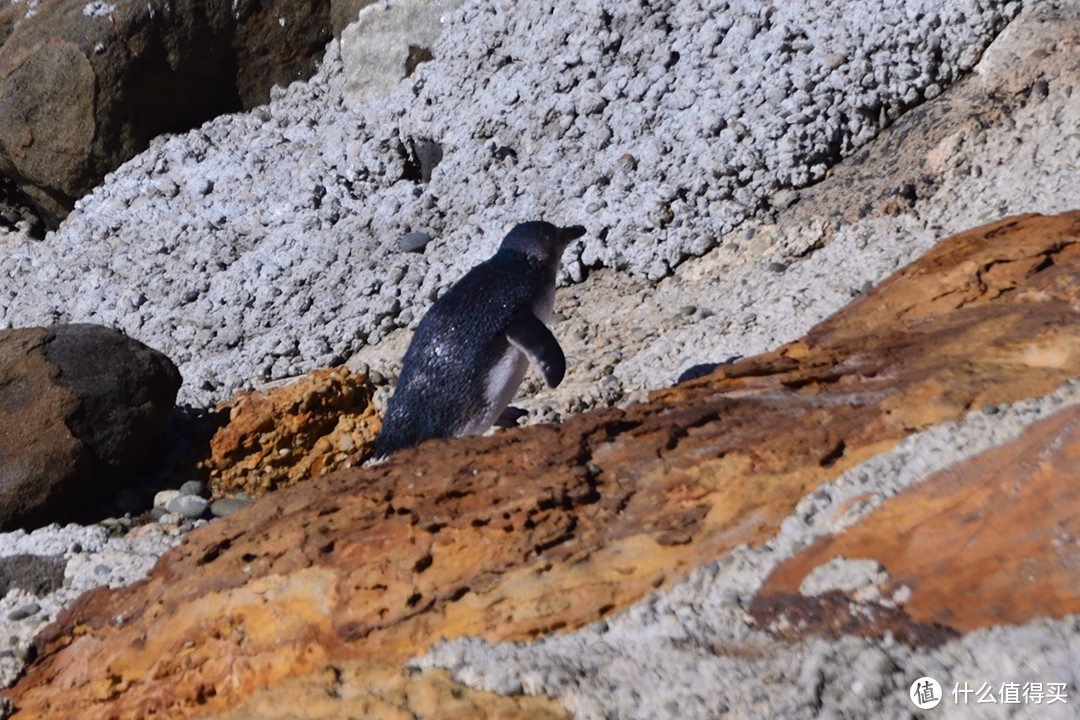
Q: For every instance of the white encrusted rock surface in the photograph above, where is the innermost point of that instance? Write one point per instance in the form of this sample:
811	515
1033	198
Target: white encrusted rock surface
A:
264	244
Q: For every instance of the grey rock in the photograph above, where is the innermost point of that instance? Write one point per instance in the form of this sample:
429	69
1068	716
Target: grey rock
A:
189	506
413	241
344	12
227	506
195	487
24	611
170	518
35	574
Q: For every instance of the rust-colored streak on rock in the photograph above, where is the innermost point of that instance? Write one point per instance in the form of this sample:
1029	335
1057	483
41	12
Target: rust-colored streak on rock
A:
990	541
545	528
792	616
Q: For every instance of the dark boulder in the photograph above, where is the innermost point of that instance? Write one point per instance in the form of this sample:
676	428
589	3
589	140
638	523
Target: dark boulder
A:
80	405
84	86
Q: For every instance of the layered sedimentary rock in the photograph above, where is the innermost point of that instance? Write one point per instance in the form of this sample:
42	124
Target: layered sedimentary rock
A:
547	528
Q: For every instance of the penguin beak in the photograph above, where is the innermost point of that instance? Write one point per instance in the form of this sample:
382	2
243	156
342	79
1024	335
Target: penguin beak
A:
573	232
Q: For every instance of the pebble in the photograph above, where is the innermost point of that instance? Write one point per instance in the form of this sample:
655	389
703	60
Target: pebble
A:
163	498
414	241
189	506
170	518
116	525
24	611
227	506
195	487
834	60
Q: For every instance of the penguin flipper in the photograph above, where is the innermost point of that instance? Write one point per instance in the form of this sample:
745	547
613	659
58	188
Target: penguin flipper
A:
529	335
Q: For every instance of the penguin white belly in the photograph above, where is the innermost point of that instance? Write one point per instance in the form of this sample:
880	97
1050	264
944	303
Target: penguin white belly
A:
502	382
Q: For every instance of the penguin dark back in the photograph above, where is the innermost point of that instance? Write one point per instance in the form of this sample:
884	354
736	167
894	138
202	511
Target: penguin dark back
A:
470	351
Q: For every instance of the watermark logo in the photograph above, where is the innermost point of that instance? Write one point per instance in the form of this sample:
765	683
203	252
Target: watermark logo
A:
925	693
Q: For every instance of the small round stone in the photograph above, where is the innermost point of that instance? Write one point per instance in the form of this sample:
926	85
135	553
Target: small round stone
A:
195	487
414	241
163	498
227	506
24	611
190	506
170	518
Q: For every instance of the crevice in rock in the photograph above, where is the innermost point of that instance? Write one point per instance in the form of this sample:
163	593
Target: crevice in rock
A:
830	458
683	429
214	552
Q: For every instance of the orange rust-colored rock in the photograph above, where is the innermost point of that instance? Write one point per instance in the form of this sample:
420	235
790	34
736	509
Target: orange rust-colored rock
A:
990	541
322	422
545	528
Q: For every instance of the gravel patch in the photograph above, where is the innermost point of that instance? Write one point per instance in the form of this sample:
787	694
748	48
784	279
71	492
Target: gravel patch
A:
43	571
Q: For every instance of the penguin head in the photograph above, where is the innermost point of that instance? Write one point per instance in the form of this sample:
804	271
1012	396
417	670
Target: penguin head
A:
542	242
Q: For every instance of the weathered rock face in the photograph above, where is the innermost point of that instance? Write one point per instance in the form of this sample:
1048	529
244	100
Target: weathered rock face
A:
79	406
278	43
322	422
387	43
546	528
84	87
989	541
352	689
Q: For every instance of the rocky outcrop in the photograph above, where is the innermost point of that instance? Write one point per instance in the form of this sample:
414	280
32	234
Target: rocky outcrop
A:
323	422
80	405
85	86
548	528
990	541
388	42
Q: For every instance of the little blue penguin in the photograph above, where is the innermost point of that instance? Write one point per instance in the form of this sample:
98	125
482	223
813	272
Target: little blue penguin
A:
469	353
